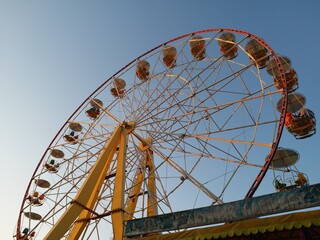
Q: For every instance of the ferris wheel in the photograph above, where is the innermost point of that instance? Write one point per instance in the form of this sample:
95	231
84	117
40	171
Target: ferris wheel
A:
185	125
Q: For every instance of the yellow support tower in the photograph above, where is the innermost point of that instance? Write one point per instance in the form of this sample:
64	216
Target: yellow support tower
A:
147	167
134	195
79	212
87	195
152	191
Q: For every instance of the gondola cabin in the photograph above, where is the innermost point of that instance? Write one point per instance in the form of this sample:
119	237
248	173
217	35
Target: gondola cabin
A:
284	161
73	136
36	198
290	74
299	120
52	165
198	47
118	89
301	125
227	45
94	111
169	56
258	54
142	70
291	79
290	180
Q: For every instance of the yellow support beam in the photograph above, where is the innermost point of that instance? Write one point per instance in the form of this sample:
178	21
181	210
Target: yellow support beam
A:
117	212
83	218
86	196
152	190
134	195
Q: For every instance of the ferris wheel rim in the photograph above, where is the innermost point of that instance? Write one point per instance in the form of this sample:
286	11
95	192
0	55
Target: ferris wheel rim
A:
218	30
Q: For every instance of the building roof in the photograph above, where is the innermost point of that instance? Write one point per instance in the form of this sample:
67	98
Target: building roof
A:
301	225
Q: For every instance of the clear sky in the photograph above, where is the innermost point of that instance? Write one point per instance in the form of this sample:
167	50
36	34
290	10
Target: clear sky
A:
53	54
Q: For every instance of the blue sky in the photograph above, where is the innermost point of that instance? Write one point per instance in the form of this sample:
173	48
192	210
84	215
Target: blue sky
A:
53	54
